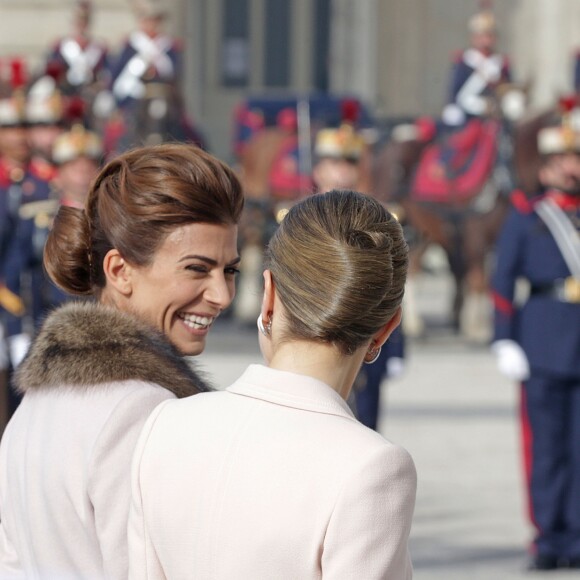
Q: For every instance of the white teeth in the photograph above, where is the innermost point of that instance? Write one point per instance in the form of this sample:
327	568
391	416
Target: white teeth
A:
197	321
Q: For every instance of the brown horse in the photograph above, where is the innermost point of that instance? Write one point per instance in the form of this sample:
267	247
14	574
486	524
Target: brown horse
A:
465	227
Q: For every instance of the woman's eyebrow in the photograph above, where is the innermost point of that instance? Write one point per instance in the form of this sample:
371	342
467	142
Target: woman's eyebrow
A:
209	261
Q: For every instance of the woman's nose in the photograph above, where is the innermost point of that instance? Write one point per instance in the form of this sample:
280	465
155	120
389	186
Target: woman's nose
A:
220	292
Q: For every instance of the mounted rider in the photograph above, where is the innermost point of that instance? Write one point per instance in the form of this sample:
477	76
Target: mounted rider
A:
146	83
80	63
476	72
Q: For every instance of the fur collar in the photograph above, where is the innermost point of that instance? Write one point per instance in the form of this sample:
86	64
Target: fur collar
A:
83	344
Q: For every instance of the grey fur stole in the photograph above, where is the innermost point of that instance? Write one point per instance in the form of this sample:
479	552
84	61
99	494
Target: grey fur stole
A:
83	344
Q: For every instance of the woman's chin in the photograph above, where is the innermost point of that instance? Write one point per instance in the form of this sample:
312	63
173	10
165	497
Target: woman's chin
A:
189	347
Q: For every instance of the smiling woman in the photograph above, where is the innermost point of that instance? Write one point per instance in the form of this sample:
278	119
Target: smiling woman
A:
156	246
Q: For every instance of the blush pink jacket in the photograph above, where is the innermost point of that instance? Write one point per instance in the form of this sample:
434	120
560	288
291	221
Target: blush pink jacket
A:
272	478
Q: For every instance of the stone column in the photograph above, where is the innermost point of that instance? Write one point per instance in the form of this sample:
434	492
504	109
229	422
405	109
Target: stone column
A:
353	48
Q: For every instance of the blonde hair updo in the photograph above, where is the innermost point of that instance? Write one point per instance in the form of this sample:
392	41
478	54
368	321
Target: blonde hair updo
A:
339	264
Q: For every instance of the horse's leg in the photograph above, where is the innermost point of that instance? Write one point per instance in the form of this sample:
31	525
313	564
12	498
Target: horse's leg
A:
452	243
413	324
476	313
481	234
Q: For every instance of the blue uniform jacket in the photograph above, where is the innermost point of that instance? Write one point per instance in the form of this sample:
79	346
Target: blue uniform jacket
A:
34	187
547	328
462	71
24	258
151	75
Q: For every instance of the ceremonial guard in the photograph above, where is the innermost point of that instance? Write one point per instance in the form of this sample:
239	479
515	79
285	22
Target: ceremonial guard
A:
337	156
538	341
24	181
45	118
146	84
82	60
81	66
475	73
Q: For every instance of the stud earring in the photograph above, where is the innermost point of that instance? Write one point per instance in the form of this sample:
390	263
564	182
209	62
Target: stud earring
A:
266	329
374	353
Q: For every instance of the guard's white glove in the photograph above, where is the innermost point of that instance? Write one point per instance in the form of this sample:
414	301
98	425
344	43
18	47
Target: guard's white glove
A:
395	367
104	104
18	346
511	360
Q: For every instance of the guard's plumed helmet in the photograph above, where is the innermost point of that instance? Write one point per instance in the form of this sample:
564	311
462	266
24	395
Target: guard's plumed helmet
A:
341	143
483	22
12	93
44	102
78	142
563	135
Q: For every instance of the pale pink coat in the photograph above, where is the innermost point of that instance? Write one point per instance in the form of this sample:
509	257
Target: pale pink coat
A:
273	478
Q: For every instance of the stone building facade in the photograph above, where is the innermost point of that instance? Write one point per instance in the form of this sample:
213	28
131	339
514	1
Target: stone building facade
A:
395	54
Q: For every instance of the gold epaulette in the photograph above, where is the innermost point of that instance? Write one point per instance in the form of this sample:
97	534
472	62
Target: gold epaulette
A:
31	210
11	302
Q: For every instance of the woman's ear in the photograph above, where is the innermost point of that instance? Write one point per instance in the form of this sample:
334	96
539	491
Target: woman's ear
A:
383	334
269	295
118	273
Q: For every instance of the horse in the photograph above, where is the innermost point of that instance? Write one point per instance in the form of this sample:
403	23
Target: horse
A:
157	117
444	204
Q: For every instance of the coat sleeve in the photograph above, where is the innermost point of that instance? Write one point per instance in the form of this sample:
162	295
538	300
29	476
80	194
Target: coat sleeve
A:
110	474
368	533
508	268
143	562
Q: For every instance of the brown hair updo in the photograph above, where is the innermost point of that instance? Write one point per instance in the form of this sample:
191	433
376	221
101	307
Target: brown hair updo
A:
339	265
134	202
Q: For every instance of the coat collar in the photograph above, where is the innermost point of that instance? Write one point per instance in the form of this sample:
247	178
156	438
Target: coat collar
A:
83	344
290	390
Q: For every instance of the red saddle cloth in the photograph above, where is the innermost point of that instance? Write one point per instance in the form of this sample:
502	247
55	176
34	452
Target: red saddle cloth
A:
456	170
285	180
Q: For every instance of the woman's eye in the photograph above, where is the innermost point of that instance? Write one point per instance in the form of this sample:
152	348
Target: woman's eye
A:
232	271
197	268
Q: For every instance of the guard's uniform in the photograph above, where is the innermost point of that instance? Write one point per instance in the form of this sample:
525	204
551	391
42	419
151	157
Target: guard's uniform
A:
144	60
83	63
145	82
473	78
19	189
547	328
24	274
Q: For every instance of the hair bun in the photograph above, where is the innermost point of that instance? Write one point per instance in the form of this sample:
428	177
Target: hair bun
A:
66	254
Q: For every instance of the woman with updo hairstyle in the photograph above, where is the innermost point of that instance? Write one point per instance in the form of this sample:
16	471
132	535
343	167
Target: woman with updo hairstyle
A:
274	477
155	248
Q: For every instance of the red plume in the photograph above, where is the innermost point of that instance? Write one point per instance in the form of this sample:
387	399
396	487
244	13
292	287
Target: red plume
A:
75	110
54	69
568	103
349	110
17	73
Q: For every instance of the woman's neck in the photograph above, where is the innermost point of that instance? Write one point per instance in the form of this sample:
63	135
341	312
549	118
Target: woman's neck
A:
319	361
